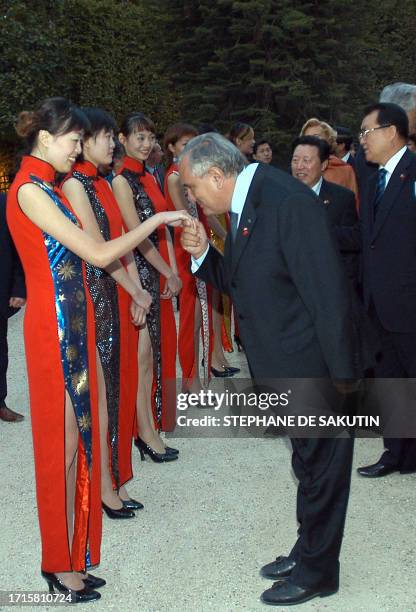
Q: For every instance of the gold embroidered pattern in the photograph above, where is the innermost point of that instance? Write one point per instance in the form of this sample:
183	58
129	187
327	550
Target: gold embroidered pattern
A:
77	324
71	352
84	422
80	382
66	270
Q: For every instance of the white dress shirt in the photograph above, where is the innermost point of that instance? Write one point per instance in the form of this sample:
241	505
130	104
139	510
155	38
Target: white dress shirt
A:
390	166
242	185
317	187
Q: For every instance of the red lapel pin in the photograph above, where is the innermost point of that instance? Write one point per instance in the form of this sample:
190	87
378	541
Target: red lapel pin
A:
402	177
245	231
326	202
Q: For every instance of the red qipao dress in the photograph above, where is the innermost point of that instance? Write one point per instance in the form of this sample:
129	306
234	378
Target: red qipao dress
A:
60	354
193	288
116	336
148	200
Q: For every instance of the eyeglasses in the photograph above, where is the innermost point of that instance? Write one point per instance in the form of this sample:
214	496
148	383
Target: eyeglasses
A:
364	133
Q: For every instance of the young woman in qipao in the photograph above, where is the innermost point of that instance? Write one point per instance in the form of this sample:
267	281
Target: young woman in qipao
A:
115	296
139	198
60	344
195	310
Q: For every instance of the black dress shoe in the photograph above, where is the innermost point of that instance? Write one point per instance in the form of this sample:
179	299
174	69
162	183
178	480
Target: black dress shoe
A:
132	504
285	593
10	416
280	568
120	513
376	470
93	582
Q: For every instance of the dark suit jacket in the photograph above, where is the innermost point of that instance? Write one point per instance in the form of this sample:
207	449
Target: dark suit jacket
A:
351	161
287	282
388	246
341	209
12	278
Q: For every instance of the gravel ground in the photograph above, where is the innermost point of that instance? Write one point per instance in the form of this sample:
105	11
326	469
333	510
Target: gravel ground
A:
211	520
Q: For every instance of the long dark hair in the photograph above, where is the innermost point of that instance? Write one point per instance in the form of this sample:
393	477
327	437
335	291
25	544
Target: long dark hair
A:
58	116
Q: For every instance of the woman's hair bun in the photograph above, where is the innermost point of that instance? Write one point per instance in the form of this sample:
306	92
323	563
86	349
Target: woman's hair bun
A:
27	123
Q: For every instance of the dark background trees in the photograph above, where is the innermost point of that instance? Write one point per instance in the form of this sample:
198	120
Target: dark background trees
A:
272	63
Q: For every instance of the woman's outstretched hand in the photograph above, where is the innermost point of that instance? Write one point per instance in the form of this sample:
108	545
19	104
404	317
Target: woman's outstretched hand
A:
176	218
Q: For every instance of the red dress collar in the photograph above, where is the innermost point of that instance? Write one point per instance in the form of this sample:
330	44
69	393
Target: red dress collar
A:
39	168
86	167
129	163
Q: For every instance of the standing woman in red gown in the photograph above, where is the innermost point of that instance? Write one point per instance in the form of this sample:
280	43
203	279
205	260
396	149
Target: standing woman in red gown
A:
195	310
60	345
139	197
94	204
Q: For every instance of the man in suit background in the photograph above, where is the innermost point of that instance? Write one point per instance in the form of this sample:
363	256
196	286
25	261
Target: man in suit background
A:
309	161
344	145
12	297
282	269
386	237
403	94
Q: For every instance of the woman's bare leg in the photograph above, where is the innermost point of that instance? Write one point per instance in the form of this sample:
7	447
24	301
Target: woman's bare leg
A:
218	357
108	495
145	420
71	579
194	384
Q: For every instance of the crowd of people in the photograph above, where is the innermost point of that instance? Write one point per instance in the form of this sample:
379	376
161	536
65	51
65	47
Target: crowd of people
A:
111	239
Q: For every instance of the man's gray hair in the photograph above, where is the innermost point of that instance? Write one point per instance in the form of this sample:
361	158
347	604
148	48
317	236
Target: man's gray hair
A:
209	150
403	94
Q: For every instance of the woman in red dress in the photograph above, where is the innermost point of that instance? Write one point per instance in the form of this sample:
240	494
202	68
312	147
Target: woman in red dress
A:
139	197
195	310
95	206
60	345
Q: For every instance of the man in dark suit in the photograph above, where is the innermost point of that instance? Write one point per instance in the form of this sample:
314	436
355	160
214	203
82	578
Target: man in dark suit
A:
309	161
403	94
386	237
12	297
282	269
344	145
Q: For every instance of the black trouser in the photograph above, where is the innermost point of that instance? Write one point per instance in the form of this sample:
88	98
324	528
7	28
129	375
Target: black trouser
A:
398	360
323	468
3	357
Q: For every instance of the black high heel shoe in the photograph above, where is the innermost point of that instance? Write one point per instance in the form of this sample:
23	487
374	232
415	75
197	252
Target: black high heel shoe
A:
171	451
225	373
132	504
120	513
81	596
238	342
232	369
93	582
145	449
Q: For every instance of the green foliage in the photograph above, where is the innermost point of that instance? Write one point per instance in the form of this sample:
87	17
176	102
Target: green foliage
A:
271	63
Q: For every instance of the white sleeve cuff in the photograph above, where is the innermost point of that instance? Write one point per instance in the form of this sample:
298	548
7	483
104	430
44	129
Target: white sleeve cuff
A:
196	263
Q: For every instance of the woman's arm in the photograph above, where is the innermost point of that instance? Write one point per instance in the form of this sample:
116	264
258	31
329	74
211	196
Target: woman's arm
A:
124	197
176	192
44	213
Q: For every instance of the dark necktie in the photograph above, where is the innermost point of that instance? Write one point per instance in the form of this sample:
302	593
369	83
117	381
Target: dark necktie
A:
380	189
233	224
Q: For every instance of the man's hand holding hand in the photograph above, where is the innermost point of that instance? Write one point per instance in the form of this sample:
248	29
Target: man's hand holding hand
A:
194	238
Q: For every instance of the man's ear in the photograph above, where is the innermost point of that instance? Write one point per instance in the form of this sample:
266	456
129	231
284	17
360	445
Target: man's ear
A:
217	175
122	138
324	165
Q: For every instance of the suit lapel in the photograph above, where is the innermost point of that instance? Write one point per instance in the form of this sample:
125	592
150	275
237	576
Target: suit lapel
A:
324	195
247	220
393	189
